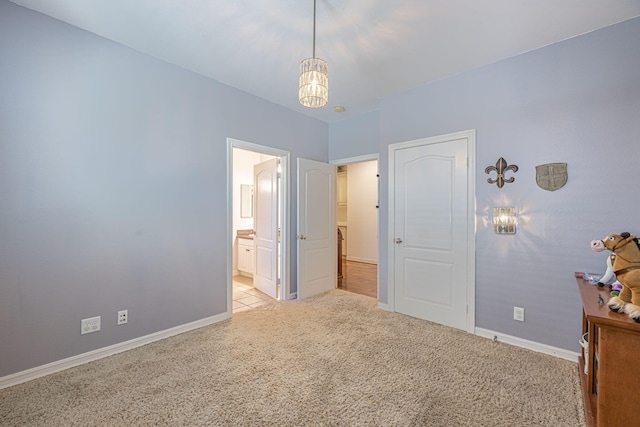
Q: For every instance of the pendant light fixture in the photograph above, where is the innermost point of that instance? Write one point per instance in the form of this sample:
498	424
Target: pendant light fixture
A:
314	81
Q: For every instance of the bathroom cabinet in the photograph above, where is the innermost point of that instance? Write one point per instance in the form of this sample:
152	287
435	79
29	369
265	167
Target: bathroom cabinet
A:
246	258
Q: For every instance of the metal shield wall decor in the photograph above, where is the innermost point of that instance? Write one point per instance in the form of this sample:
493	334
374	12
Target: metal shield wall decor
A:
551	176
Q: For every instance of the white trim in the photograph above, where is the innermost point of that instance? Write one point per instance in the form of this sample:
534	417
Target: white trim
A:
470	136
362	260
80	359
61	365
529	345
391	219
285	209
383	306
357	159
471	229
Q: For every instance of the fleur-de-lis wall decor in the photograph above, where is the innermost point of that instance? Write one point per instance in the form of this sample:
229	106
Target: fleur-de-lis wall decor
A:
501	168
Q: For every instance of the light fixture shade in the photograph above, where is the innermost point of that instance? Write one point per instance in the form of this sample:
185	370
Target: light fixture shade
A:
314	83
504	220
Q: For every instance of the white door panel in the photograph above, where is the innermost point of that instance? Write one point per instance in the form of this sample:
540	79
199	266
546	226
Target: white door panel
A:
431	211
418	289
265	177
319	191
431	231
317	234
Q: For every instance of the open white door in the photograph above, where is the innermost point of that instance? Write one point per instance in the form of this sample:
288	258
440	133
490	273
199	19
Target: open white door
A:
265	176
317	233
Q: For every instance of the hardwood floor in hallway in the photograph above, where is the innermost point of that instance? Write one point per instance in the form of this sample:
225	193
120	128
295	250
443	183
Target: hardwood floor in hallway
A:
359	278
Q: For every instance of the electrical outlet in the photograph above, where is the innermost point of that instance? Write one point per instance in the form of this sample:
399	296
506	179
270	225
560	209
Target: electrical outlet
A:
90	325
518	314
123	317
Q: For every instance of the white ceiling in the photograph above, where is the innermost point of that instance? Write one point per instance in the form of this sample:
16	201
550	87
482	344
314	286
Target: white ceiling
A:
374	48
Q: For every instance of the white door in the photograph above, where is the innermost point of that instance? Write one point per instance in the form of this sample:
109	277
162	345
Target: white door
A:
317	232
432	229
265	225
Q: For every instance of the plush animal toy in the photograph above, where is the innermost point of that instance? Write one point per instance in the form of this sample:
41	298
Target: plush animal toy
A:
608	277
626	267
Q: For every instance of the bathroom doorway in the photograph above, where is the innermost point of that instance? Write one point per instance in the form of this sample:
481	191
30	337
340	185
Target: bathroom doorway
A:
258	226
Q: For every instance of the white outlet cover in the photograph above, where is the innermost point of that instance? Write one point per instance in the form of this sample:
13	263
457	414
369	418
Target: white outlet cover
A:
123	317
518	314
89	325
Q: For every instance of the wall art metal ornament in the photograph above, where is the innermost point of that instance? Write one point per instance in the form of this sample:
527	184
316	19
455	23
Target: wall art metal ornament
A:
501	168
551	176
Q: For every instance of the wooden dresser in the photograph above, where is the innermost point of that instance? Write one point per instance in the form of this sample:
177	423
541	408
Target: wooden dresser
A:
611	388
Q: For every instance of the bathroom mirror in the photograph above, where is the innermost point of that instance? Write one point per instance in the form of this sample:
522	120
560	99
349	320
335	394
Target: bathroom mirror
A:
246	201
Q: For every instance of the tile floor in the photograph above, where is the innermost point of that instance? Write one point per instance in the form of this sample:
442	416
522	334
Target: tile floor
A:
246	297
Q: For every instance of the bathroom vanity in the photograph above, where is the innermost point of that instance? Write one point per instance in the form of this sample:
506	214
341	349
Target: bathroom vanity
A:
246	254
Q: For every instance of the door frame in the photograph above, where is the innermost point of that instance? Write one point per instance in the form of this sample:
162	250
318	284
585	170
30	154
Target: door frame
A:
470	136
360	159
285	212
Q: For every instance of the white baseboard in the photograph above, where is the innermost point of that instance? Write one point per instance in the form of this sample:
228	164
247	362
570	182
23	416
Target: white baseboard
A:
530	345
383	306
363	260
61	365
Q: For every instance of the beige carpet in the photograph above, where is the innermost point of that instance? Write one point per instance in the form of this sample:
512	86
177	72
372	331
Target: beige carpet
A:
334	360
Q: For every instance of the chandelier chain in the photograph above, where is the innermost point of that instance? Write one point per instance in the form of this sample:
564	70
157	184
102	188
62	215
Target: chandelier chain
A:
314	28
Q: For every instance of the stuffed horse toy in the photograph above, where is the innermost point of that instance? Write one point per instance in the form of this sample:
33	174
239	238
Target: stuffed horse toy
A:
626	267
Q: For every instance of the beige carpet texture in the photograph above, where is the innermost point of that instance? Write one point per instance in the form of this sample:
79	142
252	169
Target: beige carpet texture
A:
332	360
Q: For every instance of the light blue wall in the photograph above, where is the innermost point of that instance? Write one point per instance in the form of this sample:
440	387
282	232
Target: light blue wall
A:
355	137
113	181
577	102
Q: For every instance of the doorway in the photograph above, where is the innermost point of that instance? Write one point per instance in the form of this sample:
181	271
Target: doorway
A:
431	229
258	225
357	221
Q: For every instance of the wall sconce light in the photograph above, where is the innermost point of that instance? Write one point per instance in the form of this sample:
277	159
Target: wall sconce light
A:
504	220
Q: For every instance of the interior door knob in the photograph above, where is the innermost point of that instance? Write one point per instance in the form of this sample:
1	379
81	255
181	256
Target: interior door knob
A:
302	237
398	241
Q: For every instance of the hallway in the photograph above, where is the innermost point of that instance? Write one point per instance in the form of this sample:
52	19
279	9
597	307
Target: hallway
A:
359	278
